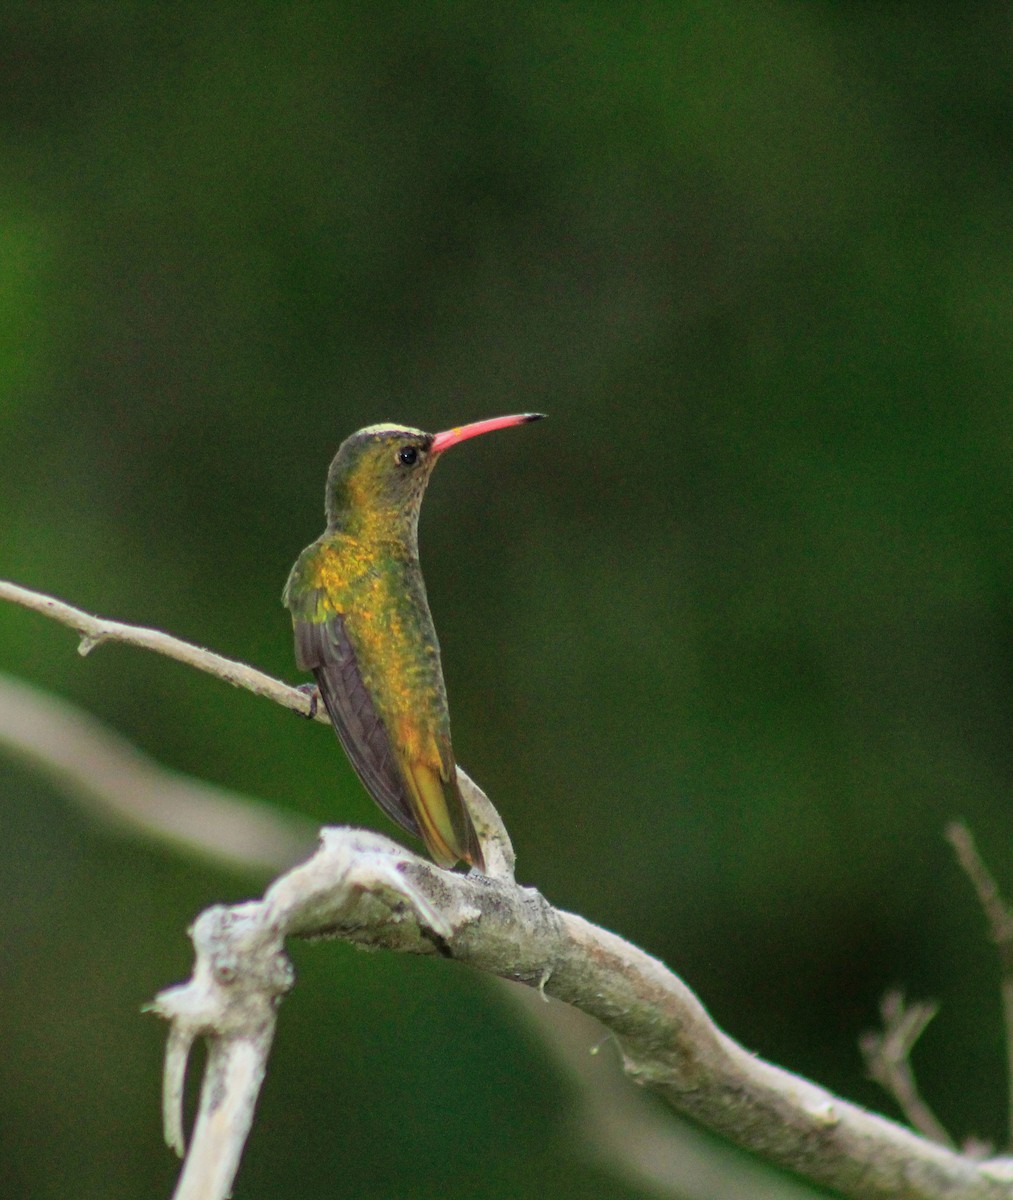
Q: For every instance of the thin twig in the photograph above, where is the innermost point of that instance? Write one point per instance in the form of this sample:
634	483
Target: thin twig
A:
887	1056
96	630
1000	927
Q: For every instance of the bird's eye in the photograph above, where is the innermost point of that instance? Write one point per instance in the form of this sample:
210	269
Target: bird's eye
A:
408	456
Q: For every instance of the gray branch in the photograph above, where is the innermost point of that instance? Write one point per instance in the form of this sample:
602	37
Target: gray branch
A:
1000	927
365	889
93	631
887	1054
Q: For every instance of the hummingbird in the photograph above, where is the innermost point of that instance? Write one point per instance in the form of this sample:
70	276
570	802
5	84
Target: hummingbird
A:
363	627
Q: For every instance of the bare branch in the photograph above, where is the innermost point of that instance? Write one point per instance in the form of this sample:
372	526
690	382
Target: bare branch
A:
1000	919
241	974
116	780
887	1057
96	630
365	889
1000	922
625	1131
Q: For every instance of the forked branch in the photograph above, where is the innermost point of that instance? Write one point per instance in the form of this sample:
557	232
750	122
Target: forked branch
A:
887	1055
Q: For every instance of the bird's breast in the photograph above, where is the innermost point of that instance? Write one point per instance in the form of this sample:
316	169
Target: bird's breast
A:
386	617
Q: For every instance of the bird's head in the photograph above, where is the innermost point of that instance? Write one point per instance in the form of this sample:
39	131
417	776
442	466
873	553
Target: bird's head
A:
379	474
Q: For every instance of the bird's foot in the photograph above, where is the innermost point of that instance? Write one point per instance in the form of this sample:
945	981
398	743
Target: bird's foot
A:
312	693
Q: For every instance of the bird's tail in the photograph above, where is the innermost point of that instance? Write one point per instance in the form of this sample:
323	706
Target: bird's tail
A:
443	818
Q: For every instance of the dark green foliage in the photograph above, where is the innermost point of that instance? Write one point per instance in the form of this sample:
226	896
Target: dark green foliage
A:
727	642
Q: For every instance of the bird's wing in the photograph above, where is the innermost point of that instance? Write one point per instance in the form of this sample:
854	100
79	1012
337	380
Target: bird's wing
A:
324	648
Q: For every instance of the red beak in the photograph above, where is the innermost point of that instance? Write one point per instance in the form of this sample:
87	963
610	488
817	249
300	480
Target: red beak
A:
450	437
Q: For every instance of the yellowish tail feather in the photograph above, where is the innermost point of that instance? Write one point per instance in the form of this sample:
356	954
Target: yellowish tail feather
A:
446	842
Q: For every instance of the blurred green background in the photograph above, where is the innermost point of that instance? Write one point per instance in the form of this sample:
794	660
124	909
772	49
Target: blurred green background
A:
727	639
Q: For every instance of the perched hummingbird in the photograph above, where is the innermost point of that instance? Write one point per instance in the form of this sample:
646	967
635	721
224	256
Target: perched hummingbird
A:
363	627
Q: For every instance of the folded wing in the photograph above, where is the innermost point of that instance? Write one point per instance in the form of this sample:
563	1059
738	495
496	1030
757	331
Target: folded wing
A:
325	649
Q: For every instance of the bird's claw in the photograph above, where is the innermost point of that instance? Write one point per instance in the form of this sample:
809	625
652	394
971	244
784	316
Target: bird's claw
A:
312	692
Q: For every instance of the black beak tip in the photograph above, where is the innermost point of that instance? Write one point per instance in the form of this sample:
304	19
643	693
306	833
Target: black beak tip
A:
529	417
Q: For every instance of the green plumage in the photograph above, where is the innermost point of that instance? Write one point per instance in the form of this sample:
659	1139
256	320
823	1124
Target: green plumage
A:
363	627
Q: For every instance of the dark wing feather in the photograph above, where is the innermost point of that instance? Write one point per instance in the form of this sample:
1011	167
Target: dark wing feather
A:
325	649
